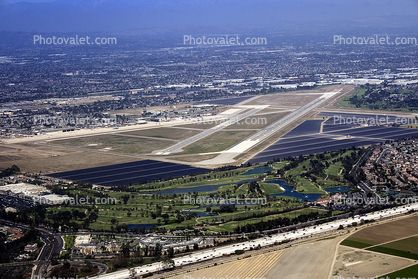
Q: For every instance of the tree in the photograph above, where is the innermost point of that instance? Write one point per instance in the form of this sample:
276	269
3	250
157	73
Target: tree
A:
158	250
132	272
170	252
93	217
167	263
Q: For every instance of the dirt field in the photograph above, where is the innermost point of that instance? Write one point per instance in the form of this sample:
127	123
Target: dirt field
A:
352	262
386	232
47	159
254	267
306	261
398	249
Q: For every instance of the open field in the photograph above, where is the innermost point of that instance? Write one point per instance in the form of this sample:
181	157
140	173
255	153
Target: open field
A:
307	261
311	260
284	99
49	159
116	143
345	102
254	267
163	132
217	142
408	272
198	125
392	246
258	121
192	158
406	248
352	262
383	233
334	169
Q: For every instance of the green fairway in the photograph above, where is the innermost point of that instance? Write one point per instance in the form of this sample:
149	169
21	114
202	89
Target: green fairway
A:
334	169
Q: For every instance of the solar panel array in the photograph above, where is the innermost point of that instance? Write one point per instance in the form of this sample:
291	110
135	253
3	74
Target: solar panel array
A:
129	173
334	137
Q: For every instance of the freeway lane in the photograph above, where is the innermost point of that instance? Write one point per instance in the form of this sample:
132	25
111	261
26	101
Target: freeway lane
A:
200	256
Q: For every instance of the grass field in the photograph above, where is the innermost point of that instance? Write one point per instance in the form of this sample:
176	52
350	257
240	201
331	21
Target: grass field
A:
409	272
270	188
115	143
328	183
410	126
334	169
345	102
406	248
279	165
199	125
164	132
193	158
383	233
258	121
358	243
69	241
217	142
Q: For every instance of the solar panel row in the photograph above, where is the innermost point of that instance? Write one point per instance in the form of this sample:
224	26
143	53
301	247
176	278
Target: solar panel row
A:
126	173
331	140
306	128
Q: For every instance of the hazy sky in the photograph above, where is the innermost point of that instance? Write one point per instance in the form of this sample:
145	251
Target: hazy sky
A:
156	16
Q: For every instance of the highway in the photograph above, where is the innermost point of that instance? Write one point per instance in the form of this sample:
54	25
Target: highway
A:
217	252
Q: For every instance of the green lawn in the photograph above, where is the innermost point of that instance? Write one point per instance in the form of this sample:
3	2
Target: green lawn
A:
304	185
406	248
409	272
345	102
334	169
217	142
69	241
358	243
270	188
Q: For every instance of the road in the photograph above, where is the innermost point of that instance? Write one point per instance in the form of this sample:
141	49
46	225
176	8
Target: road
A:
200	256
44	257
